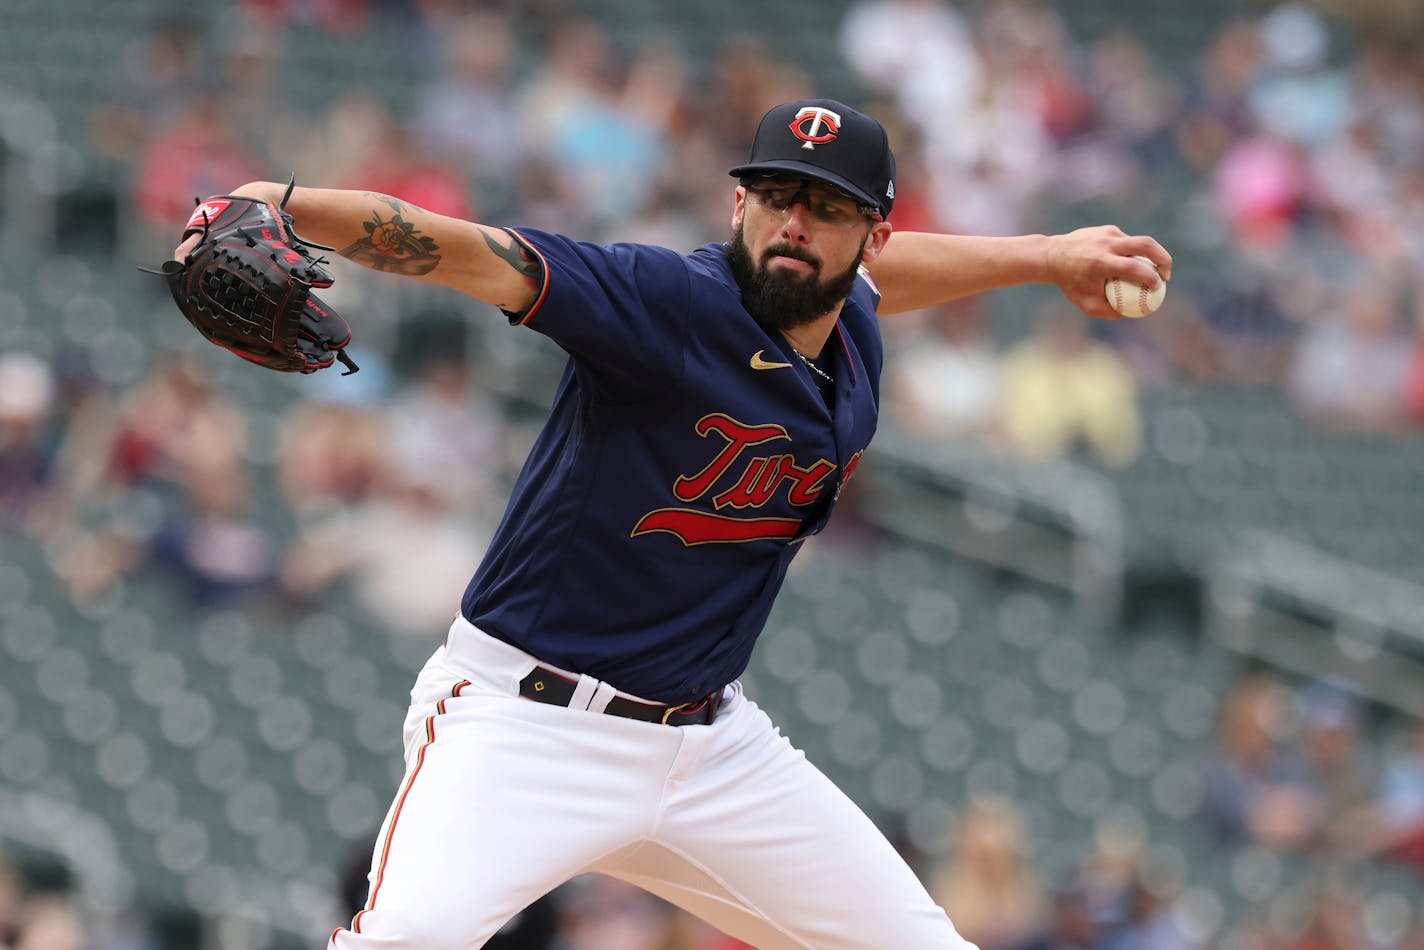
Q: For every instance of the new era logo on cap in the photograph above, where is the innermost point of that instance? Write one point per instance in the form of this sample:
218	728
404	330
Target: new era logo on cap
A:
828	141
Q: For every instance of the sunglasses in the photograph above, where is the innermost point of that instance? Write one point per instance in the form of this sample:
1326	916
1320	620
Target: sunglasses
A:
826	204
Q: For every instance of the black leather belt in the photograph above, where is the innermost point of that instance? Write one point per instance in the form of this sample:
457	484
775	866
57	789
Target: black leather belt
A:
546	686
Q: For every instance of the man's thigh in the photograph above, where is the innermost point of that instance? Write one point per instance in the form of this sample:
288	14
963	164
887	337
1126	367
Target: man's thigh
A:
503	800
760	843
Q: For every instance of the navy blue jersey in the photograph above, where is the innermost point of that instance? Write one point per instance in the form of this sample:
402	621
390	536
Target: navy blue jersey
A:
687	455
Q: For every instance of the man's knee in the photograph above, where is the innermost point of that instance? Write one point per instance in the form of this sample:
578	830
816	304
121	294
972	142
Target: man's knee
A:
417	928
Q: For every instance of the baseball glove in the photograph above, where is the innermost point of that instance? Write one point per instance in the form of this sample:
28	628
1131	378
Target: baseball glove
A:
247	286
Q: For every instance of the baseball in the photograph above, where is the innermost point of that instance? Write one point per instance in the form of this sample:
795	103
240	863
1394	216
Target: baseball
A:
1131	299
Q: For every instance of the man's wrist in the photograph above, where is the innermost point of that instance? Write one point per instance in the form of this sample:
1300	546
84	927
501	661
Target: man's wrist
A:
1038	258
268	191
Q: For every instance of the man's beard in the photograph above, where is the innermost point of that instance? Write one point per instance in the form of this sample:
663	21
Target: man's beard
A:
782	299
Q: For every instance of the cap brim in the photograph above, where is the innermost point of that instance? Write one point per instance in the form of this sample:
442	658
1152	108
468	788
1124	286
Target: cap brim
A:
810	171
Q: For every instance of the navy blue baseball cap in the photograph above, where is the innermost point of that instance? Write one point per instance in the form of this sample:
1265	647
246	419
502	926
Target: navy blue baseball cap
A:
829	141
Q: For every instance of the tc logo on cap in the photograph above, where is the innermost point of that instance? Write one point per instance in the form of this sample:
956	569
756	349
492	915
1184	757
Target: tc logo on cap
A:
815	126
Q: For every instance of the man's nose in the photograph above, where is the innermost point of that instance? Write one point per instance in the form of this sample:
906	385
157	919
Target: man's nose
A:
797	222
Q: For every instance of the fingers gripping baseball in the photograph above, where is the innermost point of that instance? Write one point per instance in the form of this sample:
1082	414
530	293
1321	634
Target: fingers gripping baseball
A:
1081	262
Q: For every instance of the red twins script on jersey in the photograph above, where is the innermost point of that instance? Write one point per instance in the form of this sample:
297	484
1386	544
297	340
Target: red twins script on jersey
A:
760	480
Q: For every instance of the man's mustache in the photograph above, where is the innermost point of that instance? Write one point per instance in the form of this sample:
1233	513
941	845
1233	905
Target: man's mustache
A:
787	250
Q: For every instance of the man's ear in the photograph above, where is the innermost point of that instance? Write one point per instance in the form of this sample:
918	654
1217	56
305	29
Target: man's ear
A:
875	243
739	206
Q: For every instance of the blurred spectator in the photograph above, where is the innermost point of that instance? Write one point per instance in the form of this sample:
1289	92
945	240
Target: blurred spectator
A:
332	449
1389	100
988	883
947	379
211	547
262	115
605	133
571	78
171	423
546	199
203	542
987	171
1177	344
50	922
340	139
408	555
1146	920
392	496
197	154
1135	105
990	178
1295	95
1401	803
920	53
1070	923
1333	922
1414	378
914	204
747	80
1063	393
680	210
11	895
1255	791
468	115
27	446
443	426
1254	306
1215	113
1349	183
87	417
615	145
601	913
1351	373
330	454
162	480
1110	903
335	16
1392	824
398	166
1330	747
668	219
1259	186
159	74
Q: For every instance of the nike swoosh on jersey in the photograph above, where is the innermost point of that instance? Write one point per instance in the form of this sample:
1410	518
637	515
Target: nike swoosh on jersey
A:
759	363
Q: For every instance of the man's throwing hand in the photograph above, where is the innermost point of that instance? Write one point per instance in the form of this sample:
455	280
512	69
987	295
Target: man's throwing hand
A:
1081	261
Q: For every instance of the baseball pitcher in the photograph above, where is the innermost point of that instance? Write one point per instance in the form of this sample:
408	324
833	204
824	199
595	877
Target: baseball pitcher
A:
583	713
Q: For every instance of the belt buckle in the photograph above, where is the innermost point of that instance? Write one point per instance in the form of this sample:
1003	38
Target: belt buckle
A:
667	713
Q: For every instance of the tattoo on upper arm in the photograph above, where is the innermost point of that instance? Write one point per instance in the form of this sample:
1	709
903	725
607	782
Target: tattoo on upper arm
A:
517	256
394	244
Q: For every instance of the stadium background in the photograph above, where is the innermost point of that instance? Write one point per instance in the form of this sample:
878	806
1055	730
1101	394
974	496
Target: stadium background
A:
1119	636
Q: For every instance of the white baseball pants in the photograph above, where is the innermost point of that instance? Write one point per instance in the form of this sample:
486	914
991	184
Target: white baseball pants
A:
504	799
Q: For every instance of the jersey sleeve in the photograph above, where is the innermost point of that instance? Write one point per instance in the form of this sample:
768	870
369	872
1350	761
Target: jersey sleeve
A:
621	310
